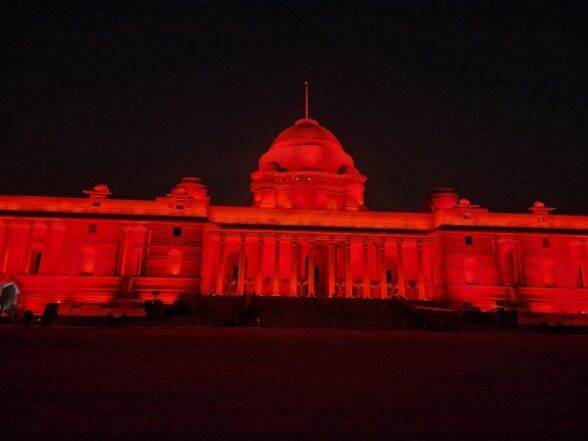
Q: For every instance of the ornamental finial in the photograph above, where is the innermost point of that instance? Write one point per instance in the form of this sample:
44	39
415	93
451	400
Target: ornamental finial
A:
306	99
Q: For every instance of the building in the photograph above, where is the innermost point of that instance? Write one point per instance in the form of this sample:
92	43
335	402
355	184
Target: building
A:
307	233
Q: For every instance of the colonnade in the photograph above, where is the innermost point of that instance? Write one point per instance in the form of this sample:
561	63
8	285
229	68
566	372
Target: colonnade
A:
305	249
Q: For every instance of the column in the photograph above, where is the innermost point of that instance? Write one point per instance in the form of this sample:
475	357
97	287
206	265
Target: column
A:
55	247
421	275
276	280
520	268
331	263
366	269
441	264
294	266
400	268
348	274
29	248
204	273
259	266
381	256
4	238
220	275
583	282
506	263
311	287
122	251
242	270
498	262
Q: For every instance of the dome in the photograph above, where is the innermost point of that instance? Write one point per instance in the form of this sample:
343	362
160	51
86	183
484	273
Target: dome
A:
306	167
189	187
307	146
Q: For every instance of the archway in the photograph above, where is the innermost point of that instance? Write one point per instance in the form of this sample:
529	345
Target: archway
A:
471	271
549	272
88	261
9	293
174	262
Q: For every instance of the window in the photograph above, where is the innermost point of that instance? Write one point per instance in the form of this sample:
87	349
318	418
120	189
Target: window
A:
469	241
549	273
179	206
88	260
92	228
545	242
36	262
471	270
177	231
388	276
174	262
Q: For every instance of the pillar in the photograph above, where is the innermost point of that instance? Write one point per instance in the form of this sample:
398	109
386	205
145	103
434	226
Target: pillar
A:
204	272
441	265
583	275
294	266
311	250
29	248
348	274
380	256
331	263
55	247
276	279
220	276
420	270
242	269
131	250
498	262
400	268
4	241
518	257
366	269
121	251
15	257
259	266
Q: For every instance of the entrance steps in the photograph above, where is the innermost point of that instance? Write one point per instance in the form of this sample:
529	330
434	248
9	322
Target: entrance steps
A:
296	312
379	314
289	312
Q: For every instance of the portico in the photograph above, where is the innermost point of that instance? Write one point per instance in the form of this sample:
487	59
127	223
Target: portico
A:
301	263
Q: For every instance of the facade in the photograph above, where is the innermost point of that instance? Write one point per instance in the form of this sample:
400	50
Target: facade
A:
307	233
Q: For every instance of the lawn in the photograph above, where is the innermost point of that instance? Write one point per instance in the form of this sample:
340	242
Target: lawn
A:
195	383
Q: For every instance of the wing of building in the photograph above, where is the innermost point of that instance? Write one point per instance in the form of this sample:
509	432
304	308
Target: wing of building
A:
307	233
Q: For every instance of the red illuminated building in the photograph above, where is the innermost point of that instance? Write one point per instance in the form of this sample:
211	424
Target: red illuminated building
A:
307	233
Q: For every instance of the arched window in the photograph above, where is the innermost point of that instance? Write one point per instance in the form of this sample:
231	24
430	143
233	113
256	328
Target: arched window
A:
277	167
471	270
174	262
509	270
88	261
549	272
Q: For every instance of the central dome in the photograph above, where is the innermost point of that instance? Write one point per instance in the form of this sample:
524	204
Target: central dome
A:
306	167
307	146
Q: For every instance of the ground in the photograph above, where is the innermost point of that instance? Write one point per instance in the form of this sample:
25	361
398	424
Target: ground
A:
211	383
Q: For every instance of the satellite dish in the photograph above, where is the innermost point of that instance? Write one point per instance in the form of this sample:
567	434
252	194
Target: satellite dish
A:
8	296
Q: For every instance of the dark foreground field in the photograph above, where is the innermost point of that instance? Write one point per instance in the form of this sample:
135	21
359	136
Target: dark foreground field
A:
84	383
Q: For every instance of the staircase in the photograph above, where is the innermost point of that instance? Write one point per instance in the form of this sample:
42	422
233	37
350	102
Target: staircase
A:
379	314
331	313
299	312
288	312
218	310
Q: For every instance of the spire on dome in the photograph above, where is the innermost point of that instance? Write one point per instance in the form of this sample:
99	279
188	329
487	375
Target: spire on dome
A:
306	100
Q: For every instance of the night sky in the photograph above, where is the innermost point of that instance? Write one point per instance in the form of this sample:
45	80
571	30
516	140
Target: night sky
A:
489	98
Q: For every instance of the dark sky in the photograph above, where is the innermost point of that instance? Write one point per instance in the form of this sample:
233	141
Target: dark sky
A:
489	98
